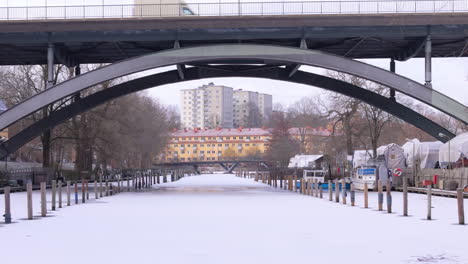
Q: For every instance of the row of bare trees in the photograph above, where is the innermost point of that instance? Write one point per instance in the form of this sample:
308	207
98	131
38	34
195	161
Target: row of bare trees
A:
352	123
127	132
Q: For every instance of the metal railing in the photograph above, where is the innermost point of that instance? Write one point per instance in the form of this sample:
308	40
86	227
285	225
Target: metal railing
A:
239	8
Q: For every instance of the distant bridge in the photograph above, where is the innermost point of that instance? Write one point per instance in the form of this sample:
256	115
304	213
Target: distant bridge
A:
227	165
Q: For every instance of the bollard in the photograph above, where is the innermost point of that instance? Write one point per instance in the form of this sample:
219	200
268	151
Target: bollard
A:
389	196
429	202
43	200
461	210
330	191
68	193
29	198
87	190
95	186
321	191
343	190
59	184
128	184
107	188
353	195
380	195
83	191
405	196
53	194
157	178
100	186
366	195
337	191
7	215
76	193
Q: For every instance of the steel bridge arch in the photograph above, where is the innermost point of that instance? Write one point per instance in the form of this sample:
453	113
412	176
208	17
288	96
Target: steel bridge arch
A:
239	52
194	73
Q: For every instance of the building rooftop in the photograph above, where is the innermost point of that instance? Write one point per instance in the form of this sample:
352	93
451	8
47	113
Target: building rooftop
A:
219	132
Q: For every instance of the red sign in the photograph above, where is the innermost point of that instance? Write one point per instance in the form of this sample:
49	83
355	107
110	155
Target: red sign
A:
397	172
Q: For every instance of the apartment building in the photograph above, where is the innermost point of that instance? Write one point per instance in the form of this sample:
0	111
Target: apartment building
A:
157	8
215	144
230	144
208	106
251	109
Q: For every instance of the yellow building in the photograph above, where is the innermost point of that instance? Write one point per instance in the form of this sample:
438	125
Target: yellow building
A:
233	144
215	144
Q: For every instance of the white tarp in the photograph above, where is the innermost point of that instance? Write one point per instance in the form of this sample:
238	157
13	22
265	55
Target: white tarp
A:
361	157
303	161
394	155
426	154
458	147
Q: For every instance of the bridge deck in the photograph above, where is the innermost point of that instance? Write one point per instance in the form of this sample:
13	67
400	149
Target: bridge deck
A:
354	36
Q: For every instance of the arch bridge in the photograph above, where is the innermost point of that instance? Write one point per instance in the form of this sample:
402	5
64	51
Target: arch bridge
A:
214	55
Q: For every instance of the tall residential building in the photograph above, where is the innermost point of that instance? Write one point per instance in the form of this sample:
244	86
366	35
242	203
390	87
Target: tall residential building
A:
208	106
251	109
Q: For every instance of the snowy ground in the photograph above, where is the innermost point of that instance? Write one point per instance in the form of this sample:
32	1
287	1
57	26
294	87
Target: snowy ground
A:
224	219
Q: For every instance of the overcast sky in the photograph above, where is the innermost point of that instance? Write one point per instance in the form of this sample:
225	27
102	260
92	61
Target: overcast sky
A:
450	76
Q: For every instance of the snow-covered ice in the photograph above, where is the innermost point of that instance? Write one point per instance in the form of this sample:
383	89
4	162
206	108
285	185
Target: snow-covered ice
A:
224	219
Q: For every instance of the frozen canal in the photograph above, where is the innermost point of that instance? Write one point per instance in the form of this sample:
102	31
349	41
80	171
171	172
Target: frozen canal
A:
224	219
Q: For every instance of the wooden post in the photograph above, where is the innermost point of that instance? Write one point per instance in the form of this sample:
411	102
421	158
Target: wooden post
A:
366	195
29	198
380	195
405	196
68	193
60	194
389	196
321	191
6	192
429	202
83	191
100	186
107	188
353	195
330	190
128	184
337	191
461	210
53	194
96	194
43	200
76	192
316	187
343	190
87	190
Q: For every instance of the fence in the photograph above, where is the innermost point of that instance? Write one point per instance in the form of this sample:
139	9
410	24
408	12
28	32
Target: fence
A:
238	8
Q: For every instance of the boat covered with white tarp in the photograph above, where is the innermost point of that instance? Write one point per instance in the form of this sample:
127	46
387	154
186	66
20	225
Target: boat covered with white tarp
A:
454	151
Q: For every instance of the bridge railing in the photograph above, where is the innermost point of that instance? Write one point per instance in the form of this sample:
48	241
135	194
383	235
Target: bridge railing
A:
237	8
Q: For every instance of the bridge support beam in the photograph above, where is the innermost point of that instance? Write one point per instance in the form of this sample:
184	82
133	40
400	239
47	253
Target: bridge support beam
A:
428	60
233	166
392	69
50	65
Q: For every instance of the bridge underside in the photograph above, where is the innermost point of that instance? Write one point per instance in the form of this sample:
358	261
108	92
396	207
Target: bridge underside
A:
398	36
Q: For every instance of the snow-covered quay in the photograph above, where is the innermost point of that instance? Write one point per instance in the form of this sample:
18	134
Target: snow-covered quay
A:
223	219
